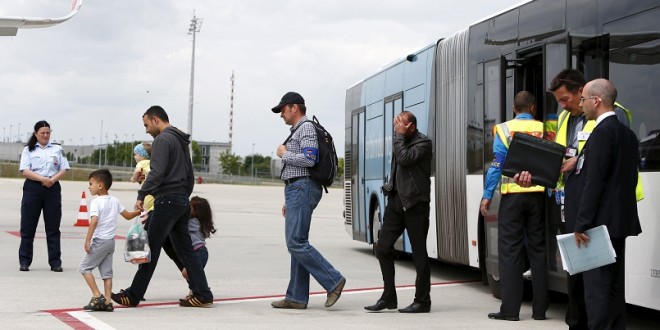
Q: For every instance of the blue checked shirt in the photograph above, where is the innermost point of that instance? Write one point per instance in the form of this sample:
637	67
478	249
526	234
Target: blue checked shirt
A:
295	162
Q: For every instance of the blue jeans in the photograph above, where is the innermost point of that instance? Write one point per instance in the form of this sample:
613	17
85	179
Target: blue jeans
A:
301	198
170	218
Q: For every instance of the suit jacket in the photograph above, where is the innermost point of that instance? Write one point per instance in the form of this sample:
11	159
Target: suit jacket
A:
603	192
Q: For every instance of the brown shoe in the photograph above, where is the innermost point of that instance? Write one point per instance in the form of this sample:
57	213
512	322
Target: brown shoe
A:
336	293
288	304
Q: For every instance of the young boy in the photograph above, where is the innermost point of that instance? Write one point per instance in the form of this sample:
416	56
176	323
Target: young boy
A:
100	241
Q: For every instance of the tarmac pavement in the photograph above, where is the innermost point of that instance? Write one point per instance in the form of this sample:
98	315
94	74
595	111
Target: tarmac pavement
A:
248	268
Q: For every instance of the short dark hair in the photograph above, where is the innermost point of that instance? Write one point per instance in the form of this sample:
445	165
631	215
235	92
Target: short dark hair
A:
410	116
157	111
103	176
523	101
570	78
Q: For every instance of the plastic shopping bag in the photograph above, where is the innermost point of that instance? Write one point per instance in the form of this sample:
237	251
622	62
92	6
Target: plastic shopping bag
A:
137	244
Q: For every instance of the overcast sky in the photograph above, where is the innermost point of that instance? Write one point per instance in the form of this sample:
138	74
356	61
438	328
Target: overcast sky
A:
116	58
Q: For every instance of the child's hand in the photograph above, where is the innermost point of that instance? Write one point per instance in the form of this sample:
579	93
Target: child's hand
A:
143	217
87	244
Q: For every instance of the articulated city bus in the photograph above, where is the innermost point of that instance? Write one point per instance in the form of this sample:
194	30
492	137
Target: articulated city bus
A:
462	85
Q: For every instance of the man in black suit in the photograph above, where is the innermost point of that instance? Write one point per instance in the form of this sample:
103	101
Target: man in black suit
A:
604	194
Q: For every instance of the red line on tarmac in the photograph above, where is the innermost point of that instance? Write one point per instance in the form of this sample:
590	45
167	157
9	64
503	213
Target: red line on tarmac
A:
64	316
71	321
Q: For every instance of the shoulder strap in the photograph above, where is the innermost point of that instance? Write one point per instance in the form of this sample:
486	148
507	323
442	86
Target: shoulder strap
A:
292	132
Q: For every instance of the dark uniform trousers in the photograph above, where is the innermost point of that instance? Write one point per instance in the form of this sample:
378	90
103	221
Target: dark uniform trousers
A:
519	215
35	198
416	221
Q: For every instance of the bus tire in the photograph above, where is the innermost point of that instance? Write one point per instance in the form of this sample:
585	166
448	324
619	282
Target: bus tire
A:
375	228
494	286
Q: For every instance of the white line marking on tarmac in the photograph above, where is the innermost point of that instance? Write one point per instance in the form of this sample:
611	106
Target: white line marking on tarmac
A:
90	320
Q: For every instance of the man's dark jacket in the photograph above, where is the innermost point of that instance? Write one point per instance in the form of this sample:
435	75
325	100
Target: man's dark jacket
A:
411	169
171	166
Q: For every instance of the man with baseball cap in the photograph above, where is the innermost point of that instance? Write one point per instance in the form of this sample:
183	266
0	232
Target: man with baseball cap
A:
301	196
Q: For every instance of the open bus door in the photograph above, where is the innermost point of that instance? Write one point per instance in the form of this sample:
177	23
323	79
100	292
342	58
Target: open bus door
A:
495	83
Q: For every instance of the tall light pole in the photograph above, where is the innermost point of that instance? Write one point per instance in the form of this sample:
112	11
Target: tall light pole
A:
100	142
130	150
252	166
18	133
195	26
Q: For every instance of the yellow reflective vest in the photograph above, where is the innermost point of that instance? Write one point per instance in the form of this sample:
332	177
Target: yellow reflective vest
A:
561	138
505	131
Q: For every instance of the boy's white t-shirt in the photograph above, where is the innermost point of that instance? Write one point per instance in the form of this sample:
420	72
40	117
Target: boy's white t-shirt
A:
106	208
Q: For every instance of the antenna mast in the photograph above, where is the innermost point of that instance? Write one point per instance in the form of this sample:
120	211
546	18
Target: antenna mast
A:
231	110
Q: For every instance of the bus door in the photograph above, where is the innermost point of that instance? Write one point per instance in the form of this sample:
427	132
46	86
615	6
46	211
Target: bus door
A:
393	106
492	83
357	180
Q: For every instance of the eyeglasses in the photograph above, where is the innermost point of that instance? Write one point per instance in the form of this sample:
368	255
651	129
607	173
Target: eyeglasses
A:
582	98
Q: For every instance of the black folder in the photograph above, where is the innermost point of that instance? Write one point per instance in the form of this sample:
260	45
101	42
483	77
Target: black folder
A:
541	158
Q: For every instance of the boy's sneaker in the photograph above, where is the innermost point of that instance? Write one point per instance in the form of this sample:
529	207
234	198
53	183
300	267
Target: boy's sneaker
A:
193	301
123	299
94	303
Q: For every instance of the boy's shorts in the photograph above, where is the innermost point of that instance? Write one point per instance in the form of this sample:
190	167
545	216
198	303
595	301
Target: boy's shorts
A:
100	256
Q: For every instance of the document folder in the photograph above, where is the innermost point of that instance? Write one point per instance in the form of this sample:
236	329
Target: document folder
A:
599	252
541	158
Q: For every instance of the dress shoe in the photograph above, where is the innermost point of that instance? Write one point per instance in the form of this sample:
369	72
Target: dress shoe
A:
24	268
336	293
539	317
500	316
416	308
380	305
288	304
57	269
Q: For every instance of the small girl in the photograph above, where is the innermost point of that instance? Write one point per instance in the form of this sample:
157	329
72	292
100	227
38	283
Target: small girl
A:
200	227
141	154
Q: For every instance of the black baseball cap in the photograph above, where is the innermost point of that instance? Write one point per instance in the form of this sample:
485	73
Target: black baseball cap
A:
288	98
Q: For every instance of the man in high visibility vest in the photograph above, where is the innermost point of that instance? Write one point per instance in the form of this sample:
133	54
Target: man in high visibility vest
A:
521	214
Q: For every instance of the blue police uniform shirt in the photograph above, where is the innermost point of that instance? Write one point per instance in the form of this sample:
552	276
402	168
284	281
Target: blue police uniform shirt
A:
45	161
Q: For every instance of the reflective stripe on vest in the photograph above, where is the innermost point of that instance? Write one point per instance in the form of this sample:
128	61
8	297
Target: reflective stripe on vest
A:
626	111
506	131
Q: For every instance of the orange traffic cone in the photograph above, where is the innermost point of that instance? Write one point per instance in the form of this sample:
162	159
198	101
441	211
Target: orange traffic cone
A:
83	215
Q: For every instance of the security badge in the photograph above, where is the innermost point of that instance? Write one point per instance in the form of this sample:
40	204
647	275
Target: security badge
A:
583	136
571	152
580	162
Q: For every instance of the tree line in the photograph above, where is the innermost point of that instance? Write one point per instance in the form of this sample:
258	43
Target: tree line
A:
121	154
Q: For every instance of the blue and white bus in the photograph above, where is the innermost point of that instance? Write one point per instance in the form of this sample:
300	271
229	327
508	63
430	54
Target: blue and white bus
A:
462	85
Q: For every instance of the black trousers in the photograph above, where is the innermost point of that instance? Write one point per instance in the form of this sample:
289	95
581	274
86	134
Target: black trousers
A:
170	218
416	221
167	245
522	215
604	291
36	198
